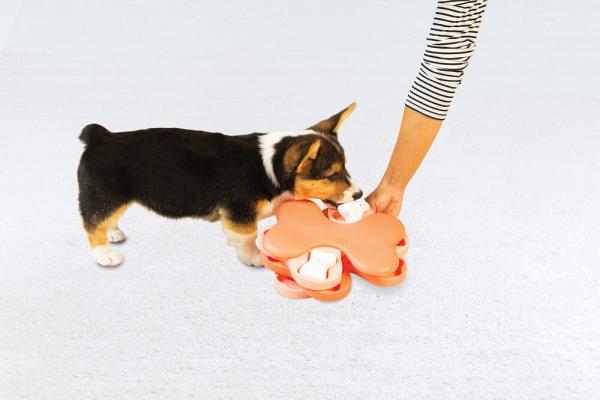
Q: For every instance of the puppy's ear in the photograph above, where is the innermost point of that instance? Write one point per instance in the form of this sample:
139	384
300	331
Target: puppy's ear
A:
333	123
309	157
299	157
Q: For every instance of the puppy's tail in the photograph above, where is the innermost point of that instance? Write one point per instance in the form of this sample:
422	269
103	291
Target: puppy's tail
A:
93	134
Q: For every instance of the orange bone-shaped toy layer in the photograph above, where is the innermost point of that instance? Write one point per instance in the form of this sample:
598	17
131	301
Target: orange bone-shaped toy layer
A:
370	244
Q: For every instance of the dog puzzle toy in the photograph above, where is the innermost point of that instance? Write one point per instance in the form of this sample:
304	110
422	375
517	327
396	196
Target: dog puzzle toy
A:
354	210
318	264
314	251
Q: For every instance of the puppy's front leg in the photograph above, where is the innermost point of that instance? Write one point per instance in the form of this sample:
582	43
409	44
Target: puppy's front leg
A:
243	238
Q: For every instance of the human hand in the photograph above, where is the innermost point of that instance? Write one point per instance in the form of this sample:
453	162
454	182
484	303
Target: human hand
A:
386	198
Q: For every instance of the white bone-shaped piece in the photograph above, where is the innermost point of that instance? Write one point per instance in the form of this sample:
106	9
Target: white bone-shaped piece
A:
319	263
354	210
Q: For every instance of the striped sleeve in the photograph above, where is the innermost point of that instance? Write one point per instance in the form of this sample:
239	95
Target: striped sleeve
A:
450	44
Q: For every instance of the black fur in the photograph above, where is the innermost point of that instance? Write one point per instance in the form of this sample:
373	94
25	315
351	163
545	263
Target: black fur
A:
174	172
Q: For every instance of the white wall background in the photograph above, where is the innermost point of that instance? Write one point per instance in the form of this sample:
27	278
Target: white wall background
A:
502	298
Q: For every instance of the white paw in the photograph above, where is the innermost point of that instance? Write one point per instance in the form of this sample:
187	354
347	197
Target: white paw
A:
255	262
116	235
106	257
250	258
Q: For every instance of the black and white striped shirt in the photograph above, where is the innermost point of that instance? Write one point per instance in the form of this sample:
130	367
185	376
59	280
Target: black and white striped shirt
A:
450	44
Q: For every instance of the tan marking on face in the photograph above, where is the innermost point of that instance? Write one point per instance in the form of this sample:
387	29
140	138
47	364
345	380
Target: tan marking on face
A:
97	235
322	189
335	167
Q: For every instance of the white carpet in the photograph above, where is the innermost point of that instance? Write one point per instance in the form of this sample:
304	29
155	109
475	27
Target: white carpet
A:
502	298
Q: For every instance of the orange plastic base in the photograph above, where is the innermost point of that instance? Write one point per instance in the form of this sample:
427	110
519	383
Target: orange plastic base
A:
302	226
287	287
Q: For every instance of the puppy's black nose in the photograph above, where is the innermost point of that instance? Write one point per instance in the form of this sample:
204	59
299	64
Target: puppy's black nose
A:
357	195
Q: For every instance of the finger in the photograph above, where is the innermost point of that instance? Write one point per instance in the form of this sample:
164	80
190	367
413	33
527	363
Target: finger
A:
372	202
395	208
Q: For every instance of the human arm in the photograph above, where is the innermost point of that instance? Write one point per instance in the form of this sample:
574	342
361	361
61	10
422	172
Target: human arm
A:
450	45
416	135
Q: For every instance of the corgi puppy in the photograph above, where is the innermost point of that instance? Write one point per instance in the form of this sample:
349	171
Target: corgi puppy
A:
184	173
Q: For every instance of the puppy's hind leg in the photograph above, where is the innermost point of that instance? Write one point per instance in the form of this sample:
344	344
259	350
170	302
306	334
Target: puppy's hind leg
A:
242	236
116	235
99	235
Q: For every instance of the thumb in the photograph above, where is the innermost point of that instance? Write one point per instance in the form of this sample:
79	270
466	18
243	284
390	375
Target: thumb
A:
371	200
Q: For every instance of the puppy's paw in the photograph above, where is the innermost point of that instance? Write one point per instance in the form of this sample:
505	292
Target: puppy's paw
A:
116	235
251	257
106	257
255	262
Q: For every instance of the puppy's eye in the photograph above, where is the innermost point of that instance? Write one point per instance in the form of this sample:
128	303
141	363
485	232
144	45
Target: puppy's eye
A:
334	176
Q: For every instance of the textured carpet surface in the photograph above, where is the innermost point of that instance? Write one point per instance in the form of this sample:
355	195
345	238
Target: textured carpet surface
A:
503	294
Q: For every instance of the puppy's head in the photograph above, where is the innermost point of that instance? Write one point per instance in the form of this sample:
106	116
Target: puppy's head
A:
312	164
